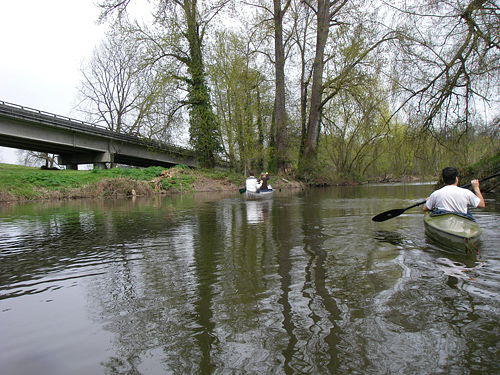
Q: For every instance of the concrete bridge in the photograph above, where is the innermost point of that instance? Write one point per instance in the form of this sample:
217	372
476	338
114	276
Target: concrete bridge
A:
77	142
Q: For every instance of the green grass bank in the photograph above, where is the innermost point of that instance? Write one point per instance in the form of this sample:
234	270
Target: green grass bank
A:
21	183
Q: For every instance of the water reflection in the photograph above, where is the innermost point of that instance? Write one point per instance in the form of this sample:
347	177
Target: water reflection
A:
258	211
305	283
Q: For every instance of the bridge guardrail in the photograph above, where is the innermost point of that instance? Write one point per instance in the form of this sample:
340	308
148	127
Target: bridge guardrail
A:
26	113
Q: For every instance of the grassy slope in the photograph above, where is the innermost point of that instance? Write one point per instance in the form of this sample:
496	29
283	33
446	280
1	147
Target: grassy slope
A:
484	167
20	183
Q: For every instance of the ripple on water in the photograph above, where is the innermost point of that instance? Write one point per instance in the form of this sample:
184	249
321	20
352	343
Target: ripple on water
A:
312	285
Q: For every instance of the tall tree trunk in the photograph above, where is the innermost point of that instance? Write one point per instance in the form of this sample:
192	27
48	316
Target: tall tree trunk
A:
281	156
305	78
260	129
311	140
203	129
304	83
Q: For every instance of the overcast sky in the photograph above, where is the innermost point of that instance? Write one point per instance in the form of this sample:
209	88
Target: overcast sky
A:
43	45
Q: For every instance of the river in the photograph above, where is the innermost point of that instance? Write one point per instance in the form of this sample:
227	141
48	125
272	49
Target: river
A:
207	283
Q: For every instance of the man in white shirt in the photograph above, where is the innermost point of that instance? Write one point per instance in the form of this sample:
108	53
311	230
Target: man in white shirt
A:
251	183
452	198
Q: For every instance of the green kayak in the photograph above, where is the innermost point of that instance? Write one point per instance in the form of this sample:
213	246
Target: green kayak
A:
453	231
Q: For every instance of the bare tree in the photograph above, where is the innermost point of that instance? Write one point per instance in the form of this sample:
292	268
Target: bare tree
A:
282	157
302	39
37	159
116	90
326	11
450	61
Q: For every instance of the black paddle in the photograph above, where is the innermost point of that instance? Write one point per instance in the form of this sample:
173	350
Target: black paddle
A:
393	213
242	190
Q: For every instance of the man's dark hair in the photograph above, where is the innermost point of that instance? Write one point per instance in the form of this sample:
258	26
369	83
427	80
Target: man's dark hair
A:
449	175
251	173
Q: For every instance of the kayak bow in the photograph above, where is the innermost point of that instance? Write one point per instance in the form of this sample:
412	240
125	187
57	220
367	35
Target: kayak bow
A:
452	231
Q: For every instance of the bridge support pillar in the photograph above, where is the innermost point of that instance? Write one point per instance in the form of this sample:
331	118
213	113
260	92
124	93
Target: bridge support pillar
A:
97	158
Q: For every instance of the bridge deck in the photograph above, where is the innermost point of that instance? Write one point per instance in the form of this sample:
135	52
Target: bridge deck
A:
78	142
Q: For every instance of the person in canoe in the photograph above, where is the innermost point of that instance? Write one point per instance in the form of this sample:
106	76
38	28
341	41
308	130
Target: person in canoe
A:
251	183
453	199
264	177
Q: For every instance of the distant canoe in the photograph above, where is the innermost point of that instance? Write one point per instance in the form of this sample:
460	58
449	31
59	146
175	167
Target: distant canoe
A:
453	231
251	196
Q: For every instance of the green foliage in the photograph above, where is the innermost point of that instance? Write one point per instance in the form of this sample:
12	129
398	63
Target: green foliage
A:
181	166
166	184
219	174
179	182
203	131
231	103
25	182
485	166
133	173
48	180
243	103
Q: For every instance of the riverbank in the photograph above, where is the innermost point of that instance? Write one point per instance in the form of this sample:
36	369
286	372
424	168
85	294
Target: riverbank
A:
22	184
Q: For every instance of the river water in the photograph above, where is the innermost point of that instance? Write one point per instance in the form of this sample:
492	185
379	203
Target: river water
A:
207	283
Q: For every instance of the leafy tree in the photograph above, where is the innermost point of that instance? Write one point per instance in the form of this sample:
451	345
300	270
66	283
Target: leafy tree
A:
241	95
355	38
271	21
177	32
332	78
356	127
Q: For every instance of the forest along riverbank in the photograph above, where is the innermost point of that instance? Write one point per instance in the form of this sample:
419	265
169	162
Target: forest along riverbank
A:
21	183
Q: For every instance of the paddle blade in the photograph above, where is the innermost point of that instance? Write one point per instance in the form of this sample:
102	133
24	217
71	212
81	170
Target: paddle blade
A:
388	214
393	213
242	190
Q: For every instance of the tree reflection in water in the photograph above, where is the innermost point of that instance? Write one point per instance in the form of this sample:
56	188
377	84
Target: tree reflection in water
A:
304	283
